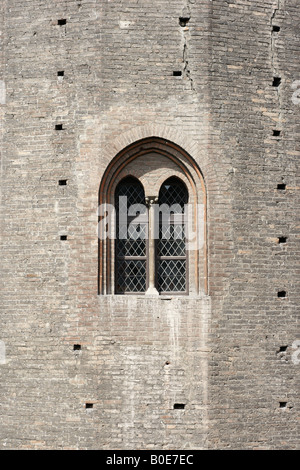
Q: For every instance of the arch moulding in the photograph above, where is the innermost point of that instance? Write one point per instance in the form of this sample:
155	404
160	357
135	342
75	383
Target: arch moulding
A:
134	149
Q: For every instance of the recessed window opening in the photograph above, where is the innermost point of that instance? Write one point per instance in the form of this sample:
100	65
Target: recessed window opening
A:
177	73
281	187
60	73
63	237
58	127
171	257
77	347
62	182
89	406
132	263
61	22
131	239
282	240
276	133
164	264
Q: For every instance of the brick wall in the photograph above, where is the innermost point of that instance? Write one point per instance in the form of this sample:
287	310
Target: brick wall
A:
229	356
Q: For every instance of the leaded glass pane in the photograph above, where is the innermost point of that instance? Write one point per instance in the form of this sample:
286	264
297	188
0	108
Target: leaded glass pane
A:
131	276
132	190
171	240
171	275
131	238
131	248
173	192
171	245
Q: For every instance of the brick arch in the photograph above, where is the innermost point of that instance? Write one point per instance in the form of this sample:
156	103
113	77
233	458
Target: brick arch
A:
152	130
116	169
199	151
157	183
175	177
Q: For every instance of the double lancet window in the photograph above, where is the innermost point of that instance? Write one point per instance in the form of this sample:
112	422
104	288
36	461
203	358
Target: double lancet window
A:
152	222
150	251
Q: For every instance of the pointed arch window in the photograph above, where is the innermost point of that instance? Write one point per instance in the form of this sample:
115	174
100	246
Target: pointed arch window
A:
131	239
133	261
171	253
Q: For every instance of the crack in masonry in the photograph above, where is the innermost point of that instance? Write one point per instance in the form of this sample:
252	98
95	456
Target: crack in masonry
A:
273	54
186	70
273	16
275	11
186	36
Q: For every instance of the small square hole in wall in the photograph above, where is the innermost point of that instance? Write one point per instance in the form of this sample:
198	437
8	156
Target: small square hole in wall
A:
183	21
276	81
283	348
62	22
77	347
282	240
60	73
276	29
179	406
177	73
282	404
281	187
281	294
276	133
63	237
58	127
62	182
89	406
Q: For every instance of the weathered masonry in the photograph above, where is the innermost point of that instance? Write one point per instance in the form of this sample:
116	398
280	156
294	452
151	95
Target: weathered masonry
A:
109	343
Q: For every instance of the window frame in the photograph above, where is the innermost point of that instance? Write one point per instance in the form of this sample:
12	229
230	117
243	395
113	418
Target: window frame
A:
137	159
117	258
175	219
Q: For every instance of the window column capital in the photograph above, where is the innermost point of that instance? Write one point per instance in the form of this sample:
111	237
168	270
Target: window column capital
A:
150	200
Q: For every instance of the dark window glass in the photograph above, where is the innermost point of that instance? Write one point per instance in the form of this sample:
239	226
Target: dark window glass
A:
131	237
171	246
